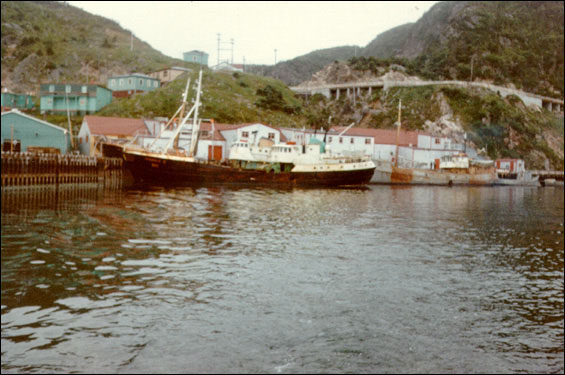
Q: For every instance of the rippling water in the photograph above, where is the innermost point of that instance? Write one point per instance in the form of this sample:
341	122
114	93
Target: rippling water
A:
383	279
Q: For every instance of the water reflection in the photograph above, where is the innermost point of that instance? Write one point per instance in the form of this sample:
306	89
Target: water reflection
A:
385	279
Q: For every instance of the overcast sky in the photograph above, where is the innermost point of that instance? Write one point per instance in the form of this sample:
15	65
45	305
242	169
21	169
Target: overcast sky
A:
257	28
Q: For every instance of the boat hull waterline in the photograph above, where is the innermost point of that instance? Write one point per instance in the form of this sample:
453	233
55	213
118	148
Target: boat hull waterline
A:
163	169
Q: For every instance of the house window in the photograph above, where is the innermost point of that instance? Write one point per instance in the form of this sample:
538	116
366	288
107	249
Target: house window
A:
193	58
367	141
330	140
437	140
86	139
83	89
141	82
68	89
51	88
113	82
155	84
129	81
148	83
340	139
271	135
245	134
121	81
352	140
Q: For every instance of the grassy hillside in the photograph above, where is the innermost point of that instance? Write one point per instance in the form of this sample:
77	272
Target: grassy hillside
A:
52	41
227	98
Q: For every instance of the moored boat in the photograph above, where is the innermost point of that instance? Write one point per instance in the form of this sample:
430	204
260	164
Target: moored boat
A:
513	172
162	162
449	170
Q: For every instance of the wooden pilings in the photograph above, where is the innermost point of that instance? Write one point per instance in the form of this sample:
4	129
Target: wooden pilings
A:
37	169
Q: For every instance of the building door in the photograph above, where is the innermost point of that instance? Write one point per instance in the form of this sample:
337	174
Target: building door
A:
214	153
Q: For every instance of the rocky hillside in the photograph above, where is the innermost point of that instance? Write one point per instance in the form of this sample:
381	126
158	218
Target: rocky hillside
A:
53	41
518	43
496	126
515	42
299	69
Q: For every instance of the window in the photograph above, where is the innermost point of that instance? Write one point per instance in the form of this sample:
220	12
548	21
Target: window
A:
340	139
68	89
84	89
271	135
244	134
129	81
352	141
193	58
437	140
367	141
51	88
155	84
86	139
121	81
330	140
148	83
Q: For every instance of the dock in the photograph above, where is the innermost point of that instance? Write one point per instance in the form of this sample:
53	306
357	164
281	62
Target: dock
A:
21	169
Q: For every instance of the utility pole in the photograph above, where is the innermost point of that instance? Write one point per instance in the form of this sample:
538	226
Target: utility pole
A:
218	49
232	50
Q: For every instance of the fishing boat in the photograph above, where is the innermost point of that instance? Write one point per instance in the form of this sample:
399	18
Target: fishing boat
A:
163	162
454	169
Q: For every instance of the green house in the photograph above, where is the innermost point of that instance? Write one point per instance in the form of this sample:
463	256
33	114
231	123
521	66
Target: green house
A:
127	85
27	131
195	56
76	97
19	101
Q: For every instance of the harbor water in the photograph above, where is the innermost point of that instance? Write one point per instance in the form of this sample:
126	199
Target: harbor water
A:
382	279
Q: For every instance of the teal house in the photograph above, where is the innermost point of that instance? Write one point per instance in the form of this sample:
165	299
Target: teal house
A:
76	97
27	131
195	56
19	101
127	85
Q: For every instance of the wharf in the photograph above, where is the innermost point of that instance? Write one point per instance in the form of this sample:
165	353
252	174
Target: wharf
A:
38	169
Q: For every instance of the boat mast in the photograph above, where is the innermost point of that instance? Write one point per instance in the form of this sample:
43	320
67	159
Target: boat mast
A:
183	107
398	132
195	121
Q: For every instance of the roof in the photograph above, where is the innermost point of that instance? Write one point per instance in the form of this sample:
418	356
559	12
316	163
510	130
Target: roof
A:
197	51
116	126
141	75
16	112
384	136
219	127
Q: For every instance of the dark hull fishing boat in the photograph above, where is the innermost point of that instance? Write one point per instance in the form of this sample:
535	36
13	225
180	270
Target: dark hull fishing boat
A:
310	167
